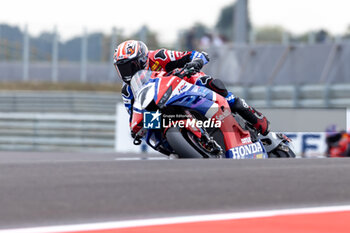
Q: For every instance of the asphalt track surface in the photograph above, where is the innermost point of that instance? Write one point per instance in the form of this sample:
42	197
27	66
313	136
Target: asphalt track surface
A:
42	189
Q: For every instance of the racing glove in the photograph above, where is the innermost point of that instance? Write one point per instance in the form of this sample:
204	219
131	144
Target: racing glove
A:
133	134
201	55
197	64
205	57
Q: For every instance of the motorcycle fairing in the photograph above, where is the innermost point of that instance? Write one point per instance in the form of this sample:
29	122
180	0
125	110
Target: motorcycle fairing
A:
163	84
146	95
207	103
156	141
249	151
136	121
195	97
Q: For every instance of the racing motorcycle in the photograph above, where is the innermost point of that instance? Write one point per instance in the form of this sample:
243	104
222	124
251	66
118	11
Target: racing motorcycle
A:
191	121
338	144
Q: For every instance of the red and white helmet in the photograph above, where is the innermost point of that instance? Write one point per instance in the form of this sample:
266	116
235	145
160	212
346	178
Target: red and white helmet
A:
130	57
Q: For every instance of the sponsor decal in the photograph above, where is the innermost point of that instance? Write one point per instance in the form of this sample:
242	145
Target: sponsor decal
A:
231	97
253	150
244	103
246	140
156	66
130	49
182	87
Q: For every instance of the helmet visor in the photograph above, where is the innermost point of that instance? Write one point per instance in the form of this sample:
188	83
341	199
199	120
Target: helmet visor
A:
128	69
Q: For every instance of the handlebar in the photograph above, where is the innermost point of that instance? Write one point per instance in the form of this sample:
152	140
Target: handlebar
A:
185	72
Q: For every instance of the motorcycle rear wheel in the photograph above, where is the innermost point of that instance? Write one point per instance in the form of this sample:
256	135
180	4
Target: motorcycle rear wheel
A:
278	153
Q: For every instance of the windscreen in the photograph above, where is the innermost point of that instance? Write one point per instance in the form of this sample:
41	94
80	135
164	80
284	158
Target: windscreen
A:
139	80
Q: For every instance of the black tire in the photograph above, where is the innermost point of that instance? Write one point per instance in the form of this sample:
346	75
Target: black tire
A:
181	145
347	152
272	155
278	153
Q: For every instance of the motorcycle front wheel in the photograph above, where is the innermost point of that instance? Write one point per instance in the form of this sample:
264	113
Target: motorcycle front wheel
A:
185	144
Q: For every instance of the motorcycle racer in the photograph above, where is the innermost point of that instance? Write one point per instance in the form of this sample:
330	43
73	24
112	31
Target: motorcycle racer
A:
132	56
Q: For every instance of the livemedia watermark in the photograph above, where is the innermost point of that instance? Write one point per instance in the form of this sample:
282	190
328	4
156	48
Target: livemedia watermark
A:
155	120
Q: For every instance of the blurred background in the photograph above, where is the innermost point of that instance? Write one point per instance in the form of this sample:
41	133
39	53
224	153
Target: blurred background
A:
59	89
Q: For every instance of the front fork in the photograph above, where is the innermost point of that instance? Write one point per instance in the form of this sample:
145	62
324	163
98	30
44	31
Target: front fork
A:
208	142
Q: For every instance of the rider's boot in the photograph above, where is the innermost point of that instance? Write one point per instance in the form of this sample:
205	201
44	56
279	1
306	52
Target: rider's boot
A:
237	105
257	119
